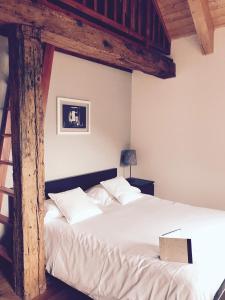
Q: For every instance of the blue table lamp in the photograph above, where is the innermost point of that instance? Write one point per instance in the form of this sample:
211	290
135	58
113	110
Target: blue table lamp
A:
128	158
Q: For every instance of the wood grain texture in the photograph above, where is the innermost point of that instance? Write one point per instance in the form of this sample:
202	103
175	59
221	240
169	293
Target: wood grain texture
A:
178	18
93	13
155	2
203	24
122	17
25	65
64	32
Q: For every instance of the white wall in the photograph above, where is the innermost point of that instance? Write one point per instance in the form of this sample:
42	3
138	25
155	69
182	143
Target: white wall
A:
178	126
109	91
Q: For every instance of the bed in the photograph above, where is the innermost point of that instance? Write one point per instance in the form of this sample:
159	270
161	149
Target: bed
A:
116	255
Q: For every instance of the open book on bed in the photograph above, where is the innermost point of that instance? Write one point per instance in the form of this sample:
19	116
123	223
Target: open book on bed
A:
175	247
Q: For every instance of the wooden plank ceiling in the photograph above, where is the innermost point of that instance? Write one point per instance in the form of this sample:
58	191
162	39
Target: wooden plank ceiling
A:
178	18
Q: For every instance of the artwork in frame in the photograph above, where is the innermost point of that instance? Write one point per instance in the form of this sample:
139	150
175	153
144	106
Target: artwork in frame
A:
73	116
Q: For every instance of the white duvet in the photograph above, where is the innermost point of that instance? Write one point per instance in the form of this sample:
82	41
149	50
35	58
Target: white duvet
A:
116	255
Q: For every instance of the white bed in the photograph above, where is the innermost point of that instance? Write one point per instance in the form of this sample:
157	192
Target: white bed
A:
116	255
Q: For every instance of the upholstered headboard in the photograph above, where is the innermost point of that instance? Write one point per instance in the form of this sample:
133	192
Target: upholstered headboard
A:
84	181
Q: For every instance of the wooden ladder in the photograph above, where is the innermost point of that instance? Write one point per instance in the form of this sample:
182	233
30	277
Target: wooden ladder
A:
5	150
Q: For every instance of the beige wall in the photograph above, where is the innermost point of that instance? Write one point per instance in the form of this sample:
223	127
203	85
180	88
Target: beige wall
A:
109	91
178	126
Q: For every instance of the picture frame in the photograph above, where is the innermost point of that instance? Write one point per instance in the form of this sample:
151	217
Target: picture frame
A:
73	116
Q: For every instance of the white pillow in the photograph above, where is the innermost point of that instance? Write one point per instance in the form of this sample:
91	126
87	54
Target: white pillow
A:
120	188
135	189
75	205
100	195
51	210
129	197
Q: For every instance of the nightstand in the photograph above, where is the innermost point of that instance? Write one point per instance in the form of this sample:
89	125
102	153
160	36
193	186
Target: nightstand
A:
146	186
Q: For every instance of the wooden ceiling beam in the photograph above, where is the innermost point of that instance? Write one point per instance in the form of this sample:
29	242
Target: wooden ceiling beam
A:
203	24
72	35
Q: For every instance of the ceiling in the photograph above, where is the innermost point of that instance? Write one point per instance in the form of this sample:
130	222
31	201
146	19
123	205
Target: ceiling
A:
178	18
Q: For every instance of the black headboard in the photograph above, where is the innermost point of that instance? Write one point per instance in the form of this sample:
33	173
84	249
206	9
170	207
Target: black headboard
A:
84	181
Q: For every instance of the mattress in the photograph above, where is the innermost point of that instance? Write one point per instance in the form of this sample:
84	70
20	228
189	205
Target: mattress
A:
116	255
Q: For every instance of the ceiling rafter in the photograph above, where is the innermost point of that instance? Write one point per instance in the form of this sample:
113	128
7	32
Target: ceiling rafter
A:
188	17
203	24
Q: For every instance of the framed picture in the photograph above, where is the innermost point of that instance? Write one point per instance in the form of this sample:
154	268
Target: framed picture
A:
73	116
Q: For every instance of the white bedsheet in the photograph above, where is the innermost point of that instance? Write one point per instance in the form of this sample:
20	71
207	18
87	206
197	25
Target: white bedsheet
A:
116	255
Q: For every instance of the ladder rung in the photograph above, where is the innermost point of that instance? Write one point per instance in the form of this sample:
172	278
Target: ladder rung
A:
5	220
6	162
7	191
6	135
4	254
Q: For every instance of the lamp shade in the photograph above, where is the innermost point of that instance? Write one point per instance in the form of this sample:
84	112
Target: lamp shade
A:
128	157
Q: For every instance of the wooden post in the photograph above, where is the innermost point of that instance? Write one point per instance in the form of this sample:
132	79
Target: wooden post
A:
25	66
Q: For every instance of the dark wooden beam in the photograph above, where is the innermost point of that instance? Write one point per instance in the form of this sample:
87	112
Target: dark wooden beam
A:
64	32
115	10
25	70
46	72
95	5
156	5
140	17
113	23
106	8
124	12
133	14
148	16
